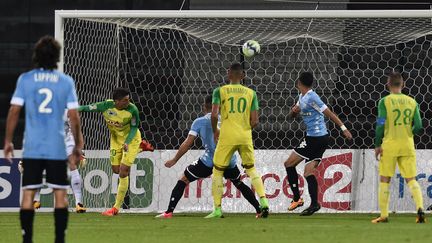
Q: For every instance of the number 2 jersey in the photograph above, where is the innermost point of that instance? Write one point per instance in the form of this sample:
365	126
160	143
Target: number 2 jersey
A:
400	115
236	103
123	124
46	94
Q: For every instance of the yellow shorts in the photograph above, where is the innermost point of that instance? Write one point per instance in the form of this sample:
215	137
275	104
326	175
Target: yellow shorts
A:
223	154
407	166
118	156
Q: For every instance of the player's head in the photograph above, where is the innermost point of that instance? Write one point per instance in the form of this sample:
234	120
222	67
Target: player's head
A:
236	73
395	82
46	53
305	80
121	98
207	107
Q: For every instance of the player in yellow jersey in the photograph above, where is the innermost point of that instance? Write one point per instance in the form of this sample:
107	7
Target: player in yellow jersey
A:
122	119
398	120
238	106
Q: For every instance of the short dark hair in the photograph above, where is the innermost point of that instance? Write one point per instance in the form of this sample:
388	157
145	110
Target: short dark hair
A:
395	79
306	79
208	101
46	53
236	67
120	93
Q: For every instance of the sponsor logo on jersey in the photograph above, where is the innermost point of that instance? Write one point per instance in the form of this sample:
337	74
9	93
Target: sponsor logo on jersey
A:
114	123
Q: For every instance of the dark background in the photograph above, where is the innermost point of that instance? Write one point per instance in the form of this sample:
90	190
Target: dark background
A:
22	22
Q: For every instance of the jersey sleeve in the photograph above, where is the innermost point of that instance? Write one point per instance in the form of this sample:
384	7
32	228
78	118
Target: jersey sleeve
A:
316	103
72	98
216	99
18	97
255	105
134	123
381	119
418	125
195	128
97	107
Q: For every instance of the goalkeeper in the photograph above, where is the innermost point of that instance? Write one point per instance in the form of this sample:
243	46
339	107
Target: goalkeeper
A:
122	119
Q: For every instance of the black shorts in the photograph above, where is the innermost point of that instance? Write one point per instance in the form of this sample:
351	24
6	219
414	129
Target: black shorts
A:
198	170
56	173
312	148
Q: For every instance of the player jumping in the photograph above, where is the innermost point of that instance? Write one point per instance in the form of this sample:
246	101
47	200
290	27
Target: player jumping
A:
239	115
203	167
398	120
122	119
312	148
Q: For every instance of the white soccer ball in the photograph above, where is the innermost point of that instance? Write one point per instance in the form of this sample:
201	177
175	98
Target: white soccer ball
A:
251	48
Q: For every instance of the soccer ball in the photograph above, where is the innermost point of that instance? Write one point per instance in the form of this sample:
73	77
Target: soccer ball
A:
251	48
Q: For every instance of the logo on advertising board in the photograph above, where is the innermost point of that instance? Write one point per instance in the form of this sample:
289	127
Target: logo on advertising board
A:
10	184
334	175
100	185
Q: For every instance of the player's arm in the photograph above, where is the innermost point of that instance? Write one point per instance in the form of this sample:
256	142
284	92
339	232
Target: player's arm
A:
295	110
134	123
418	125
11	123
216	101
254	117
318	105
12	119
184	147
379	130
97	107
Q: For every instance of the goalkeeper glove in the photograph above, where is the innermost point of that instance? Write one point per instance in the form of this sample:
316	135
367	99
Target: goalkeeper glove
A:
146	146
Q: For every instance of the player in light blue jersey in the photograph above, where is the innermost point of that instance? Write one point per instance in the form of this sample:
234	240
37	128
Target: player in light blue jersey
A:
202	168
311	149
45	93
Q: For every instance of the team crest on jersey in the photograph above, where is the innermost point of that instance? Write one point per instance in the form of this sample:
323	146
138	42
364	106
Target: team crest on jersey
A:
111	113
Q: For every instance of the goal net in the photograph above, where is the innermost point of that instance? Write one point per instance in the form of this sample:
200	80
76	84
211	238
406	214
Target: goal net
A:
171	60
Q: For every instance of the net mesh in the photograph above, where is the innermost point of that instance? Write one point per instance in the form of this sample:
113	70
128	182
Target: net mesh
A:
170	65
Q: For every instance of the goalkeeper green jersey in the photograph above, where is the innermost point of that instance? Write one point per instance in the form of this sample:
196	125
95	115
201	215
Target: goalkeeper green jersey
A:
123	124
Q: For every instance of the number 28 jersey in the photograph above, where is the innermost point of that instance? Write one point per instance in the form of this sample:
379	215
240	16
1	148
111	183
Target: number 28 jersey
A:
236	103
46	94
399	111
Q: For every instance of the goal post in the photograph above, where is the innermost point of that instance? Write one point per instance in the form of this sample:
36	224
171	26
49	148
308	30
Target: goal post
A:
170	60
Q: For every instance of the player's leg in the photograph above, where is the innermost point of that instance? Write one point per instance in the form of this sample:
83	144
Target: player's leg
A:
408	168
116	156
221	158
309	174
76	181
234	175
313	149
128	159
31	180
176	195
290	166
387	167
192	173
76	185
36	199
56	177
248	162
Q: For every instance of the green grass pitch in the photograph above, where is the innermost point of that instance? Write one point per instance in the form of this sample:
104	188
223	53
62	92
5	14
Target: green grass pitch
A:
131	228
